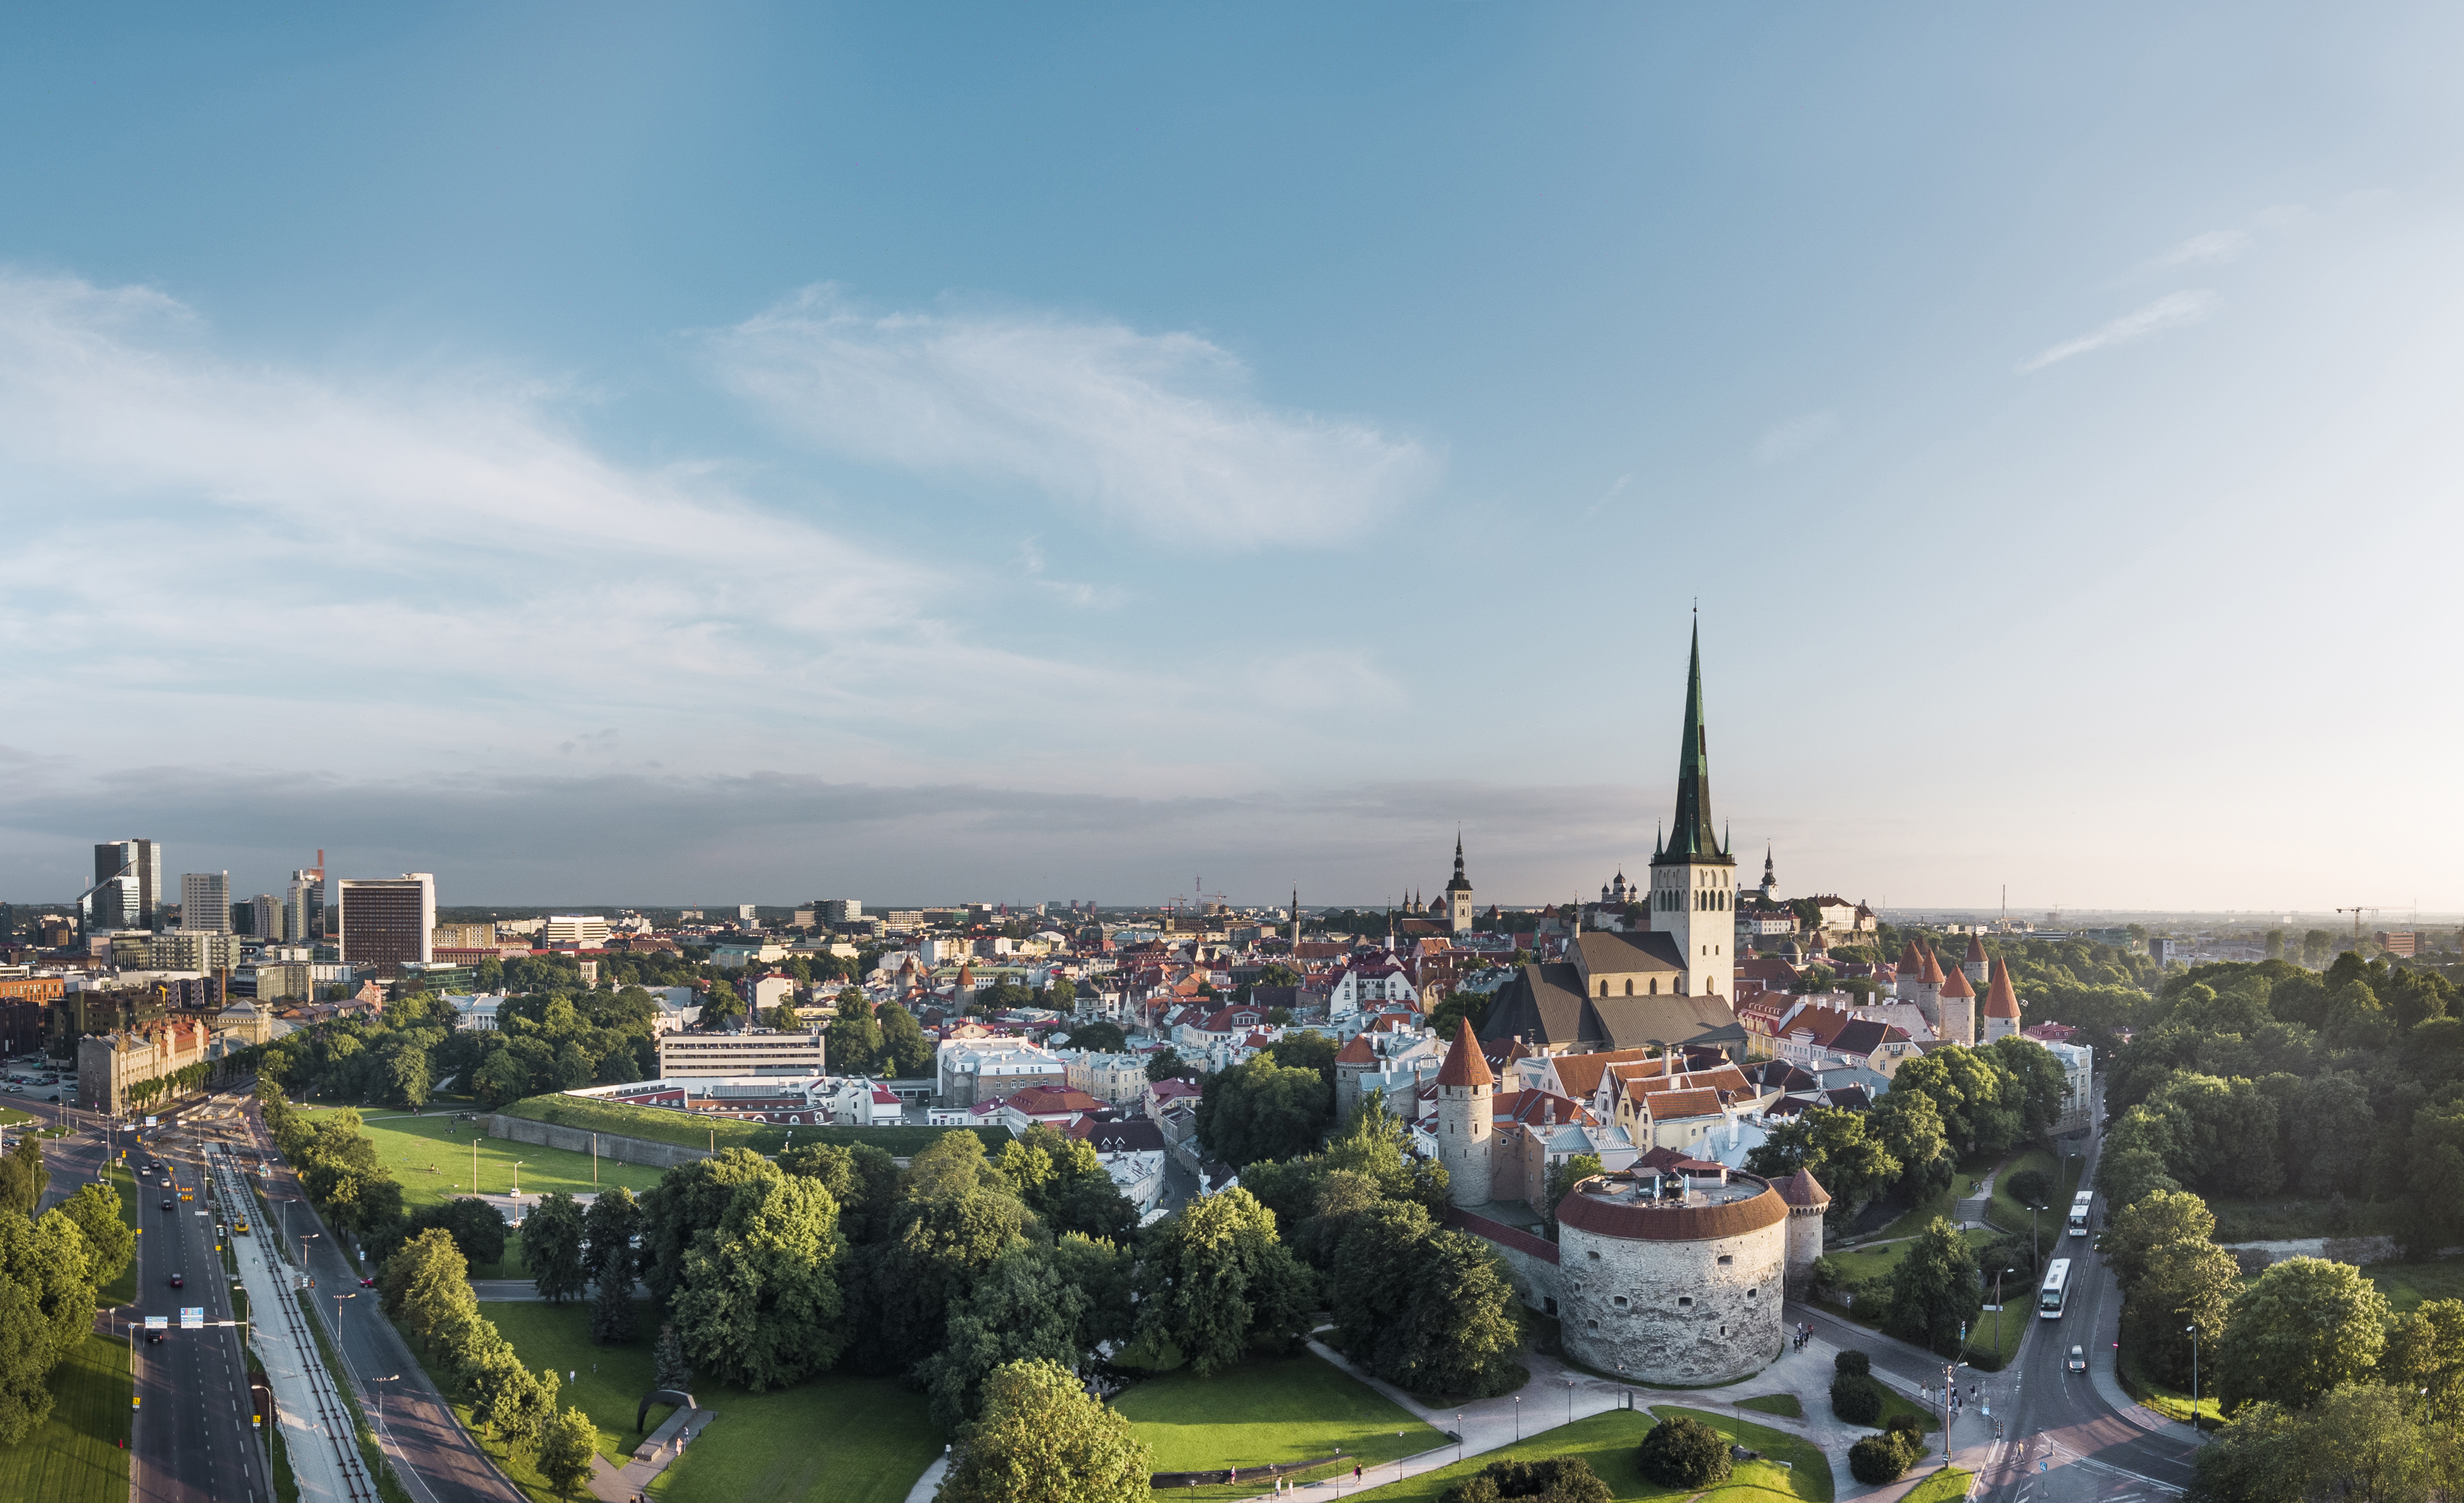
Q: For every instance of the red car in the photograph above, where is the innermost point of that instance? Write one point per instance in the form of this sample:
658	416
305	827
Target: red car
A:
368	1283
177	1282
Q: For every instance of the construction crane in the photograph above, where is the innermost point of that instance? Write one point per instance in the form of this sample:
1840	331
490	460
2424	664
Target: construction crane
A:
2357	919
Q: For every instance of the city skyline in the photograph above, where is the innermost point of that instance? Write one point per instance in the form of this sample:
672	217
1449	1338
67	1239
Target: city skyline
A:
1073	455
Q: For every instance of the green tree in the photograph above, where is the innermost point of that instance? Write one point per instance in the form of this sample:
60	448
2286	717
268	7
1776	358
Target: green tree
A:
1259	1109
426	1285
2128	1175
2304	1328
500	1079
906	1053
862	1179
1063	1180
23	1178
854	1041
2185	1285
1103	1038
1563	1176
688	1200
1043	1440
670	1367
1469	1005
1216	1284
109	1241
1935	1291
45	1309
760	1300
566	1446
2132	1235
1168	1065
2425	1351
1838	1146
551	1238
1683	1453
1022	1309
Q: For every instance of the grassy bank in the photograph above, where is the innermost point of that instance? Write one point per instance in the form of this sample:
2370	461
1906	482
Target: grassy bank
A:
1270	1411
2008	1212
2173	1404
2408	1284
76	1456
122	1290
1608	1442
433	1156
695	1130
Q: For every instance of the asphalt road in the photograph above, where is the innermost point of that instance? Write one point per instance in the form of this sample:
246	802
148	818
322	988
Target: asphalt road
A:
2065	1443
191	1440
434	1456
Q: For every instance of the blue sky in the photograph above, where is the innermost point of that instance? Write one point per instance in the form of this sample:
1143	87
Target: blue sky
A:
637	455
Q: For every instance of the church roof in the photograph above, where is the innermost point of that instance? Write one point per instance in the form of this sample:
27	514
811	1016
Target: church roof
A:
1544	1002
1692	839
1464	1065
2000	1000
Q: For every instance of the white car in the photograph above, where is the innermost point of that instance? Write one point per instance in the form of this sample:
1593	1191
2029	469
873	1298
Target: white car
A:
2078	1362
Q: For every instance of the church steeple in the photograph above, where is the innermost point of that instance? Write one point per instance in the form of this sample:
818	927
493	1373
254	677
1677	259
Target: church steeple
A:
1694	839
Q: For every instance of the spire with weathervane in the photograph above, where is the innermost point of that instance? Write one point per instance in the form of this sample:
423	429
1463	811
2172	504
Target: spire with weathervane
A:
1693	876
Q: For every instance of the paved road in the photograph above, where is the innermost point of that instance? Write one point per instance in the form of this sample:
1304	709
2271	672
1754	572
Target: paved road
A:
435	1457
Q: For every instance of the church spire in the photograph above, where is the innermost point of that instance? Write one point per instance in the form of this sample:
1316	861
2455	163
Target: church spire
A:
1694	838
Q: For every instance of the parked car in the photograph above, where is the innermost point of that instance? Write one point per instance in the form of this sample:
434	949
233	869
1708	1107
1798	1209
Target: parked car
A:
2078	1362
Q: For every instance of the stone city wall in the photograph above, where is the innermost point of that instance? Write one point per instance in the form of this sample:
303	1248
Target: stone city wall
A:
1673	1312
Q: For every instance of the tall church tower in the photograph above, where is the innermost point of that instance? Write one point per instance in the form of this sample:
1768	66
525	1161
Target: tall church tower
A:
1693	878
1459	894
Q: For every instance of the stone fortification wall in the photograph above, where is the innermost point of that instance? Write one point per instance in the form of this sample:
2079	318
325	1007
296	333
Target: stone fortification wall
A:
1675	1310
573	1139
1530	1262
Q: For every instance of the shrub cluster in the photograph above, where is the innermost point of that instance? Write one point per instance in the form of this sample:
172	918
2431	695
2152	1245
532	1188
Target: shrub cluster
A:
1560	1479
1883	1458
1856	1398
1681	1451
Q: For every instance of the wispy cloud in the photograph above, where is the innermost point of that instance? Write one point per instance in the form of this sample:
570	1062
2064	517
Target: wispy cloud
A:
1155	431
1784	441
2217	245
2172	311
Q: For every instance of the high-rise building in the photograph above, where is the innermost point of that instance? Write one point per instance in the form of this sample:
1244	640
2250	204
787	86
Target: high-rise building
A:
128	884
265	917
303	904
205	902
387	922
586	930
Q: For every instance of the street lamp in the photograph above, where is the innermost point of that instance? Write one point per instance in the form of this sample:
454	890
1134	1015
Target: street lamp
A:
1459	1438
2195	1426
1518	1418
1570	1401
395	1377
1997	1307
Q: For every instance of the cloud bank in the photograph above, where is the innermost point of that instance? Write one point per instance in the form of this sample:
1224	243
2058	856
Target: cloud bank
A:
1153	431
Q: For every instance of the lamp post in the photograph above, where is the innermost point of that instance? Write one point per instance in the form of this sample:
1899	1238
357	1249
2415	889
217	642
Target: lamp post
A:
2195	1426
394	1378
1518	1418
1570	1401
1997	1307
1459	1433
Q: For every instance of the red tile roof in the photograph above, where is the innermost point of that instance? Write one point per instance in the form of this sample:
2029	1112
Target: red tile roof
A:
1464	1065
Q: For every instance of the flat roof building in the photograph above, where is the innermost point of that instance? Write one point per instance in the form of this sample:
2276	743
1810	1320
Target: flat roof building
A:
387	922
757	1052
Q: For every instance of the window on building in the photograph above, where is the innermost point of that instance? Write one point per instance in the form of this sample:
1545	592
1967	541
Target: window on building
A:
1684	1299
1725	1259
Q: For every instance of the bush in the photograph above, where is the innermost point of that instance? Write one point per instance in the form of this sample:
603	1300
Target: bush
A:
1681	1451
1857	1362
1883	1458
1560	1479
1856	1398
2030	1187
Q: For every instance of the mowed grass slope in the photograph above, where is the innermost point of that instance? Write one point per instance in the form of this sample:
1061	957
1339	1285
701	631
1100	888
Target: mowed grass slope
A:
76	1457
1609	1442
431	1156
1269	1411
865	1440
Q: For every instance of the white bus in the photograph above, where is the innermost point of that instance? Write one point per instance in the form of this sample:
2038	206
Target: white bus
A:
2079	1204
2056	1291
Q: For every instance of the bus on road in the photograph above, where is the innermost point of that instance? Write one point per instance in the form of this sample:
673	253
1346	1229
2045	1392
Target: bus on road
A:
2056	1291
2079	1204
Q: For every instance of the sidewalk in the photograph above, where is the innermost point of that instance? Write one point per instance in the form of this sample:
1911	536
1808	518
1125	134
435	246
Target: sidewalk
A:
315	1425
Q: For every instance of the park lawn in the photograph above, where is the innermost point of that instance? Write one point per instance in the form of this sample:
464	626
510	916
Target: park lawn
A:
837	1439
2008	1213
1609	1443
1895	1403
2019	1315
122	1290
432	1156
861	1439
1269	1411
2280	1218
75	1456
2172	1402
1942	1202
2406	1284
696	1130
1785	1405
1946	1484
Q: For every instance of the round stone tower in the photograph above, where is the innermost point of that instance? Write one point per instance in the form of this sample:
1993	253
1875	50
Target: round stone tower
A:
1465	1118
1672	1278
1356	1058
1807	1199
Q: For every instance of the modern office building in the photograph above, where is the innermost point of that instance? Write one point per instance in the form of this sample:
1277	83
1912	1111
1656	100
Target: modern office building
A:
128	885
303	904
204	901
265	917
758	1051
586	930
386	921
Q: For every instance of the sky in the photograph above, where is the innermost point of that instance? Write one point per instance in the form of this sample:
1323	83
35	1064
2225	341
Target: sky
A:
737	453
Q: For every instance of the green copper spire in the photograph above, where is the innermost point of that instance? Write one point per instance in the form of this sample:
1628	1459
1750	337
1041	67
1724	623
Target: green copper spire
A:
1694	839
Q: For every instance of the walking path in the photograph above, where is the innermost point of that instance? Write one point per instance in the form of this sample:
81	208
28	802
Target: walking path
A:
632	1480
317	1437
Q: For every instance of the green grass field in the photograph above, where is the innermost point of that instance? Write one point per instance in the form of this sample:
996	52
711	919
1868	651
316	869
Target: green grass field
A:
1269	1411
2008	1213
2408	1284
1946	1484
1780	1403
432	1156
75	1457
1609	1442
692	1130
861	1439
2173	1404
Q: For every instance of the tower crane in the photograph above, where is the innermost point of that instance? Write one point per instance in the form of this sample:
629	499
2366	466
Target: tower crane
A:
2357	919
